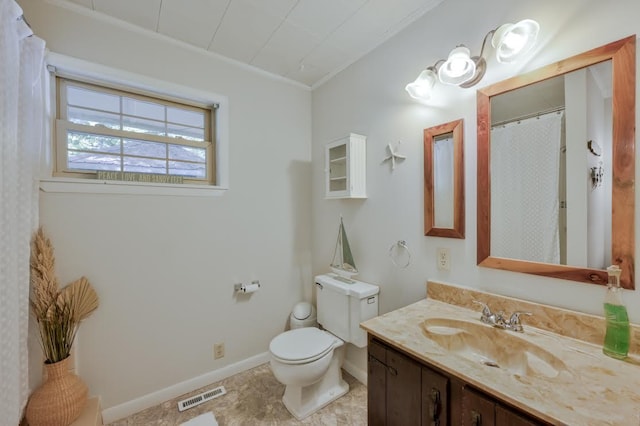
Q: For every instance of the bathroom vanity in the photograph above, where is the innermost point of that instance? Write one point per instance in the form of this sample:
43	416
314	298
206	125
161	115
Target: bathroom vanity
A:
405	391
435	362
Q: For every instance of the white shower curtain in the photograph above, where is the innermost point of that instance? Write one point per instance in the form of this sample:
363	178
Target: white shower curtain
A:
21	128
525	172
443	182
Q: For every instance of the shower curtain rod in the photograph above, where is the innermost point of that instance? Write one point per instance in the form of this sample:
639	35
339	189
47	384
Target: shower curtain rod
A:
526	116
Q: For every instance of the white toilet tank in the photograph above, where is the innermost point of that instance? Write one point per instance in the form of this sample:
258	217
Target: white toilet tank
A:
343	306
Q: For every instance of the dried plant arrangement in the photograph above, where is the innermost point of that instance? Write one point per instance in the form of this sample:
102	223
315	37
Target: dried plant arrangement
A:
57	311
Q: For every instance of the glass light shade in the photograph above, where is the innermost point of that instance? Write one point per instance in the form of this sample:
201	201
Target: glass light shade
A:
423	86
511	41
458	68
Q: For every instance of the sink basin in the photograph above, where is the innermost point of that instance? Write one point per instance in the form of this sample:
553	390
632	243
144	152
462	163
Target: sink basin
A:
493	347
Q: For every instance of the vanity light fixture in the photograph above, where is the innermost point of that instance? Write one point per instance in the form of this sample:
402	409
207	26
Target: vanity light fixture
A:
509	41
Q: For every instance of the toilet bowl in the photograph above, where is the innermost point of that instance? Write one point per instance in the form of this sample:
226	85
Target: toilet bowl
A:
308	360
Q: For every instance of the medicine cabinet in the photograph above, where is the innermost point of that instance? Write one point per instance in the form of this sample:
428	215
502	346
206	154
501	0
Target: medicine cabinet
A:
345	167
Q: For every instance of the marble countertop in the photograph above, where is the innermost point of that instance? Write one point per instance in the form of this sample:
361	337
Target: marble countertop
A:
594	389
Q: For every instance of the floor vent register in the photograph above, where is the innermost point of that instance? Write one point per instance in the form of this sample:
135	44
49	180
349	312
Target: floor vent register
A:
201	398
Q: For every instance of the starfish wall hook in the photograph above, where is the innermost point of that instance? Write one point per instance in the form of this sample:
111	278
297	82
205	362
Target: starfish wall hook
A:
393	156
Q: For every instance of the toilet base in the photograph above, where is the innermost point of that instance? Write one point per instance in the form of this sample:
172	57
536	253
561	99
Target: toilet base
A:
304	401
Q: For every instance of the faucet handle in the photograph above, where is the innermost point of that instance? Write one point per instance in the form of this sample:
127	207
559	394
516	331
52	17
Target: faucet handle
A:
514	321
487	315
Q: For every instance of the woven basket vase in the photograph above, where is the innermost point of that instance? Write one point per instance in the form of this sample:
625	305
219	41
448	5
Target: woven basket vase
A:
60	399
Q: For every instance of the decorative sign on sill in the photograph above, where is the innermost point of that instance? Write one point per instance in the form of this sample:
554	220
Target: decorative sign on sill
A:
138	177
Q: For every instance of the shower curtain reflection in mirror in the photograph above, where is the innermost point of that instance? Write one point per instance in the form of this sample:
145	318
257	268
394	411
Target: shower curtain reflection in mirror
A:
525	189
443	180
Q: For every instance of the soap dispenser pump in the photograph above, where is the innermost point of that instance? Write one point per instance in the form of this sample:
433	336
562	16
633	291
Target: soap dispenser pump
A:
617	336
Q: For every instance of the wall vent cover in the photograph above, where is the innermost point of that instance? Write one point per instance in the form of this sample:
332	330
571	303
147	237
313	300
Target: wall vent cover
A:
201	398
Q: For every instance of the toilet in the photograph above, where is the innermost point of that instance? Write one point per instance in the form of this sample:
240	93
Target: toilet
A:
307	359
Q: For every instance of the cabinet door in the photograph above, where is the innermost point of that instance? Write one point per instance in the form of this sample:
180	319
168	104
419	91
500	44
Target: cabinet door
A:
377	385
338	168
506	417
477	410
403	390
346	167
435	398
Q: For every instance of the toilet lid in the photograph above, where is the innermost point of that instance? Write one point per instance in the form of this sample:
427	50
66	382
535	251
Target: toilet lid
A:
301	343
302	310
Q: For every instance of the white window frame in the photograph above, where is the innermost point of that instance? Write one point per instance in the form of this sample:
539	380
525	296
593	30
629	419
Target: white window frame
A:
75	69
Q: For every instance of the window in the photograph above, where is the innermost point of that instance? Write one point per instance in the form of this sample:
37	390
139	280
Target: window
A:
113	133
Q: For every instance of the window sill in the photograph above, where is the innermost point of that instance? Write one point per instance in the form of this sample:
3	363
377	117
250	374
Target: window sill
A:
85	186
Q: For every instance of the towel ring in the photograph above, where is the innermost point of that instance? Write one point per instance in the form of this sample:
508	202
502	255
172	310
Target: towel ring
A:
400	244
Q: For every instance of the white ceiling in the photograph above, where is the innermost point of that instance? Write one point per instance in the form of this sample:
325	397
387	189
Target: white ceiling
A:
307	41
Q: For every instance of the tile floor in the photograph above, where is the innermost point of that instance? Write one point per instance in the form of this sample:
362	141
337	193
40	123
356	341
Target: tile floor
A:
254	398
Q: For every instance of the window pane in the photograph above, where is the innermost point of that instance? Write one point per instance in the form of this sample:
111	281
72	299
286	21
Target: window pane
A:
119	130
187	153
184	116
91	118
79	96
140	125
191	133
144	165
144	148
142	109
93	161
194	170
91	142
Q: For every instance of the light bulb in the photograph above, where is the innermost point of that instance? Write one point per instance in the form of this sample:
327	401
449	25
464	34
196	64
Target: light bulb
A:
514	41
458	68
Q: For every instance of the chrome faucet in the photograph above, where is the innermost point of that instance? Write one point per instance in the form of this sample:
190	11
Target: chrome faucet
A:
514	321
487	316
498	319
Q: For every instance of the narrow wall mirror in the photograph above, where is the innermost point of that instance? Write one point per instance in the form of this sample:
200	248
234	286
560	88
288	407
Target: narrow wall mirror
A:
444	181
548	202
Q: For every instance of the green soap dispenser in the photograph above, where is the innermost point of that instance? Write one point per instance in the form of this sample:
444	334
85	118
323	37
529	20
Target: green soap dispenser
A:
617	336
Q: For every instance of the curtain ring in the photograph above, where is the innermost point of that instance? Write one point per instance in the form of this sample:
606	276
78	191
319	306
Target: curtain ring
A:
401	244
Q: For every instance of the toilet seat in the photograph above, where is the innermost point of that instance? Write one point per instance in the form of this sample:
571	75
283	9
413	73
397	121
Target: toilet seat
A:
302	345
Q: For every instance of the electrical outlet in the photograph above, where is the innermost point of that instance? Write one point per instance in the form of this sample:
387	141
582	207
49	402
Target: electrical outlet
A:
444	259
218	350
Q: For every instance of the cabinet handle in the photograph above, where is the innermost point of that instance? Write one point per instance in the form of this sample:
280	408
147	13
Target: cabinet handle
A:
434	412
392	370
476	418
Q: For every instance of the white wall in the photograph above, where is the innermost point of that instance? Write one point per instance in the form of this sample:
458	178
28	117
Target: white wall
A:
599	199
577	194
369	98
164	267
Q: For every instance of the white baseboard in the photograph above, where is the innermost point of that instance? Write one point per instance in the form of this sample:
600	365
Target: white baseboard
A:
359	374
131	407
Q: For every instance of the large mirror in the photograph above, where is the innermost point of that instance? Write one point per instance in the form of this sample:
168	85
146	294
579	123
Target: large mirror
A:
556	157
444	180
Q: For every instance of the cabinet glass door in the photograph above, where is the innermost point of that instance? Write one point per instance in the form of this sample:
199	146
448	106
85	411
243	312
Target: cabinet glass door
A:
338	168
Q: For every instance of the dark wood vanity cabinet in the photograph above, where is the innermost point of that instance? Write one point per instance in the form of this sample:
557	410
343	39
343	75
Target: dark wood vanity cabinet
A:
477	409
397	382
403	391
435	398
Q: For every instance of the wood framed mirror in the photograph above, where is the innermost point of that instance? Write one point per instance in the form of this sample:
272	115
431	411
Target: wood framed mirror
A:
444	180
615	233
